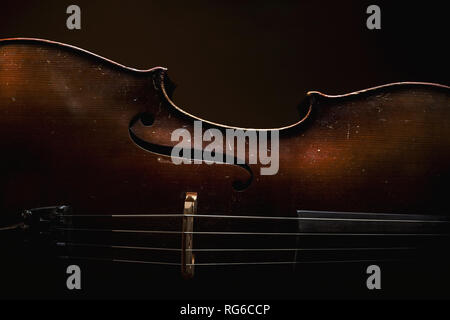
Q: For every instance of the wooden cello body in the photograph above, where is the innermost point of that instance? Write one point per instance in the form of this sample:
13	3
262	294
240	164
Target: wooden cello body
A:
82	131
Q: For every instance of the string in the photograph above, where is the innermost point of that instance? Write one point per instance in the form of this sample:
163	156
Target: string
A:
251	217
229	263
430	219
69	244
252	233
120	260
12	227
290	262
352	218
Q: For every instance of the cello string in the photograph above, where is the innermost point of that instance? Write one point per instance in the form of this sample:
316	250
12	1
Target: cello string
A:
219	250
71	244
432	219
290	262
249	233
236	263
246	250
12	227
250	217
67	257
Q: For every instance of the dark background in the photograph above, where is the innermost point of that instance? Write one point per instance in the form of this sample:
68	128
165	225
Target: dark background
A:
250	63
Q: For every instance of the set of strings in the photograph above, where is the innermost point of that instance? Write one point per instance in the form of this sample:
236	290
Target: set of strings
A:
295	251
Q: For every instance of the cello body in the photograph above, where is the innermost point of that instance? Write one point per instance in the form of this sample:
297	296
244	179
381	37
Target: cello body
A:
77	129
65	123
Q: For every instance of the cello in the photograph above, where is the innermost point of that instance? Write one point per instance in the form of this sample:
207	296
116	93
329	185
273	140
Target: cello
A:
88	170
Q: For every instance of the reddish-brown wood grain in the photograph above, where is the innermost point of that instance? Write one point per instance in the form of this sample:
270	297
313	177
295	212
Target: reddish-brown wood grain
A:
64	134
